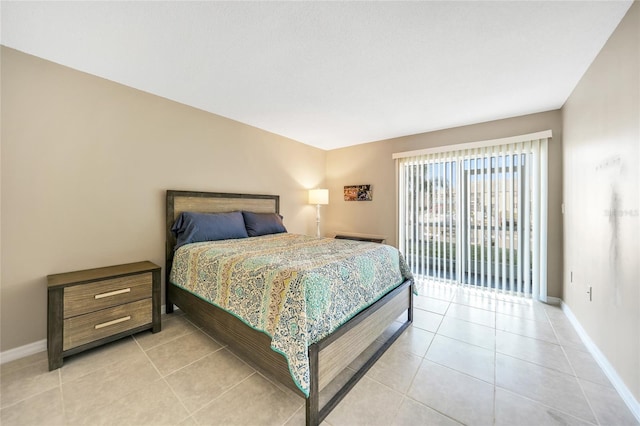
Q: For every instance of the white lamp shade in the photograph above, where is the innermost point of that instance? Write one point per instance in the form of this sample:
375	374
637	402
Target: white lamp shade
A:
318	196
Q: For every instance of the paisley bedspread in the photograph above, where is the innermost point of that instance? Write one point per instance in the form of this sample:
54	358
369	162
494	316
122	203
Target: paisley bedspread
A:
295	288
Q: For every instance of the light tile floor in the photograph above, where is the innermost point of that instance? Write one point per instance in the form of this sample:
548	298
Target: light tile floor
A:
469	358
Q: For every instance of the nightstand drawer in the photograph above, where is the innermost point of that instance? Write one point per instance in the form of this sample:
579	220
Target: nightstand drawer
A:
82	299
96	325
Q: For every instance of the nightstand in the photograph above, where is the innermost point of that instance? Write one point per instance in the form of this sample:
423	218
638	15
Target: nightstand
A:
95	306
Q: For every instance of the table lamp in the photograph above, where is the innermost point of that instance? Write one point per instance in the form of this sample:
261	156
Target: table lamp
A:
318	197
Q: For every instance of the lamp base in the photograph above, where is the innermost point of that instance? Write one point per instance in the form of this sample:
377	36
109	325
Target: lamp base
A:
317	220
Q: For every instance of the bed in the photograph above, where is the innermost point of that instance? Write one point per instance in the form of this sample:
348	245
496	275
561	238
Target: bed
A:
353	346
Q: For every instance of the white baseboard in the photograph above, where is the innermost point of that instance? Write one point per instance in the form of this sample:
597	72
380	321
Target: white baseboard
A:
554	300
604	363
23	351
34	348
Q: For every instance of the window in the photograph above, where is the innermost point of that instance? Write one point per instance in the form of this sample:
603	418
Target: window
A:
475	214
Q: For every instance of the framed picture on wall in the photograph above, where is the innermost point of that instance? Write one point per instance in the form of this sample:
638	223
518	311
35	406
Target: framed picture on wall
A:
357	193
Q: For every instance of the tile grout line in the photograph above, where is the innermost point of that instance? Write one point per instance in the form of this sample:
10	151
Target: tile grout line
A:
535	401
464	341
178	398
222	346
575	375
433	409
163	378
40	392
196	328
495	385
402	394
148	359
423	359
293	415
570	374
563	373
190	363
221	395
64	410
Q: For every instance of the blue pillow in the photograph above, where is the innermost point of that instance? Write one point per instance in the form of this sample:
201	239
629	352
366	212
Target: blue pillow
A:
193	227
263	223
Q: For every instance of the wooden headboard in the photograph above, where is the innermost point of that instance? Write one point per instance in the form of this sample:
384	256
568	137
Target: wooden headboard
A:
211	202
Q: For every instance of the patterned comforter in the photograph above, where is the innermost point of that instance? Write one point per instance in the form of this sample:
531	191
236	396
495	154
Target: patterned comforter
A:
296	289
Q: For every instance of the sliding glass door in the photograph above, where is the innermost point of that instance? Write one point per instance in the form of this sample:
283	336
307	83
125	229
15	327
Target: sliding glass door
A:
474	216
494	225
429	237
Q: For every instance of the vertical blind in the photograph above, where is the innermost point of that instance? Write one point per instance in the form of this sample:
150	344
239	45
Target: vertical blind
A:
477	214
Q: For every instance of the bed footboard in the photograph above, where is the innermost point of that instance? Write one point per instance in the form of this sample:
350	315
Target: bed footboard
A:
333	354
328	357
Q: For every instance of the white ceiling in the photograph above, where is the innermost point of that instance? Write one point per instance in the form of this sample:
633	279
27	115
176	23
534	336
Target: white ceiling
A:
329	74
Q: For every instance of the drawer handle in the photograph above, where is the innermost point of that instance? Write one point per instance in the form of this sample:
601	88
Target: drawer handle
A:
112	322
112	293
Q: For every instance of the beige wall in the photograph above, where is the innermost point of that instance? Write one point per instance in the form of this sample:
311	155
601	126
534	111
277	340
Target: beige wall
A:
372	164
85	165
602	157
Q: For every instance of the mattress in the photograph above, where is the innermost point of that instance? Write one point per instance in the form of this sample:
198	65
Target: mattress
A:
294	288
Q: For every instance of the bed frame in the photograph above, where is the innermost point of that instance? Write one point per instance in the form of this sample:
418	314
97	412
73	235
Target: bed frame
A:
372	330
